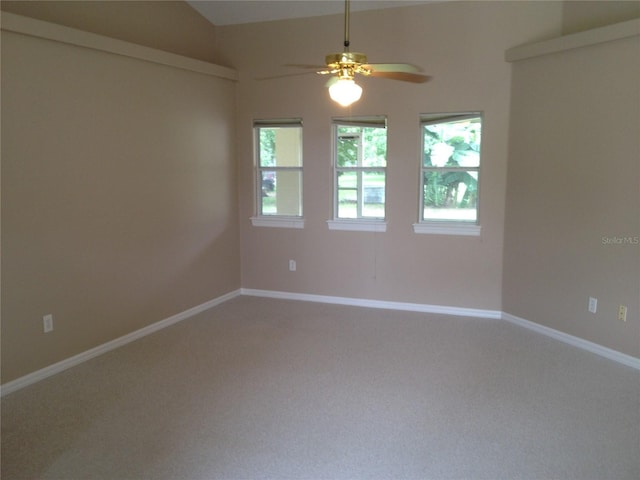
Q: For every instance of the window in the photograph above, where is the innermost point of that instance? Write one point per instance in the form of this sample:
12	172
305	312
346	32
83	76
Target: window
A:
360	160
278	146
450	168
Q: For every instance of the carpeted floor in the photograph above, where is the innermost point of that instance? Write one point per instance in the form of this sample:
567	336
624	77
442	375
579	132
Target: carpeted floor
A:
271	389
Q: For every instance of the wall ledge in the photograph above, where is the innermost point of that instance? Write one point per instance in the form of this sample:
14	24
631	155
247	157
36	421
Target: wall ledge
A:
617	31
58	33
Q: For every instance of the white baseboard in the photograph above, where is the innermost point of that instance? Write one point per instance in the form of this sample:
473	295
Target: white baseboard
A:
43	373
363	302
575	341
58	367
459	311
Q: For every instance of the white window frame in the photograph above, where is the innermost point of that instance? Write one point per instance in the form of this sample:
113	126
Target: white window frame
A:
270	220
361	224
448	226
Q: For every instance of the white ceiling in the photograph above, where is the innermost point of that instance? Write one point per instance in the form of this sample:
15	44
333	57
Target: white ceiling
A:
230	12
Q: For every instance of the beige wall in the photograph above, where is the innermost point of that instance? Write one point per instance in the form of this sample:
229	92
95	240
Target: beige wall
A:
578	15
118	197
573	204
461	46
119	202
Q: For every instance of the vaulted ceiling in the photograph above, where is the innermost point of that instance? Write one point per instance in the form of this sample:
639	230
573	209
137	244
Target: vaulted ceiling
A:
230	12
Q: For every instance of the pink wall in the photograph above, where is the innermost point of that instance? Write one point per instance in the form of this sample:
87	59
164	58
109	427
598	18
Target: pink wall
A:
459	44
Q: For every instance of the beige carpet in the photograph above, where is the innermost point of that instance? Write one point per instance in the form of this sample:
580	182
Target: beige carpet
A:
261	388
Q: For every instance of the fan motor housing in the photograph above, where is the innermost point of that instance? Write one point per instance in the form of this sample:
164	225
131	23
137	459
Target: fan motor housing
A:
339	60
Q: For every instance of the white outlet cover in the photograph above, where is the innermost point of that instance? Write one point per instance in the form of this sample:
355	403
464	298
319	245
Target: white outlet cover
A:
593	305
47	323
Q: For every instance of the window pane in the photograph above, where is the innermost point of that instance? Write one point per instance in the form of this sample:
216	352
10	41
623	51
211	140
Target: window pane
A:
362	146
374	144
267	147
373	194
348	146
347	195
450	195
361	194
360	161
281	192
455	143
280	147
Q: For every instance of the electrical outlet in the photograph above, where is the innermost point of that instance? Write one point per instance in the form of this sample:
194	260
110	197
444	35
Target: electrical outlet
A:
593	304
292	265
47	323
622	313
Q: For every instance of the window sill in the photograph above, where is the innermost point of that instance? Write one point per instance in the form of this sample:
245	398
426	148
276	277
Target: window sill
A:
462	229
278	222
358	225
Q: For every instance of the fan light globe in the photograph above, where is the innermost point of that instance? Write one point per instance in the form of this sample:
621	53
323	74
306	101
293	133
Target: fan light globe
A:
345	91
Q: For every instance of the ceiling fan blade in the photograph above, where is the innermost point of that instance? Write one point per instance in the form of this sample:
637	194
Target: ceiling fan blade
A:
392	67
309	67
284	75
321	69
331	81
403	76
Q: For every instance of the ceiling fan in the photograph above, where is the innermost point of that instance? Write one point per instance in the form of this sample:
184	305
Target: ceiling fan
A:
346	65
